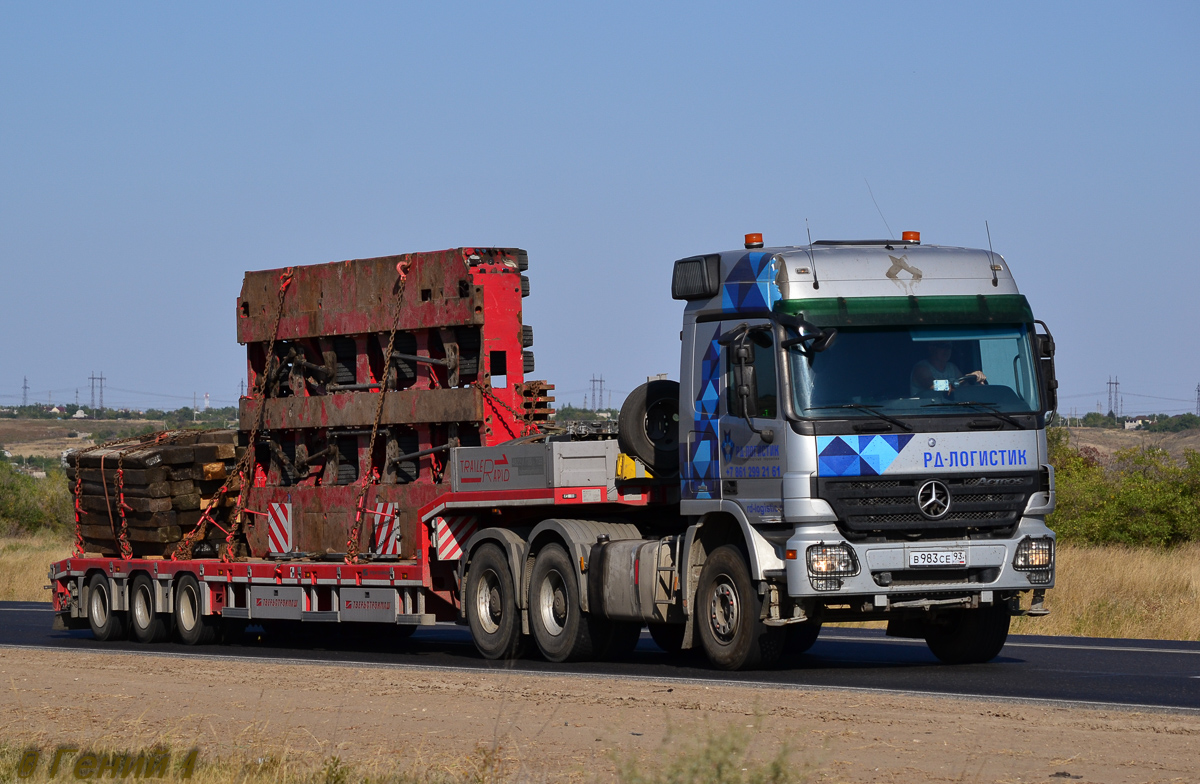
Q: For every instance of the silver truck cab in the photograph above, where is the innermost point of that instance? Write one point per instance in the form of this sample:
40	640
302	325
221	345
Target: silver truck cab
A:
872	414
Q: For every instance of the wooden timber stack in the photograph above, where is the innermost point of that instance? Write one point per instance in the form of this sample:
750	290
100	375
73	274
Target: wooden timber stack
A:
167	480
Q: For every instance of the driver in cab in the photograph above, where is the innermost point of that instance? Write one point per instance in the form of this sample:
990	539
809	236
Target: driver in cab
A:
937	373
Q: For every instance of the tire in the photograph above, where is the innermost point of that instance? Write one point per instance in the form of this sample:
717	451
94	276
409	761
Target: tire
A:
668	636
727	612
147	625
491	605
191	627
560	628
621	640
107	624
970	636
799	637
648	427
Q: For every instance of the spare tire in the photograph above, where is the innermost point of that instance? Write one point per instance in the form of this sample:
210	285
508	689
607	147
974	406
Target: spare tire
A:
648	427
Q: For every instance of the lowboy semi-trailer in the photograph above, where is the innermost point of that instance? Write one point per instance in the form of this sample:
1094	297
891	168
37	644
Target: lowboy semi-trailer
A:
857	433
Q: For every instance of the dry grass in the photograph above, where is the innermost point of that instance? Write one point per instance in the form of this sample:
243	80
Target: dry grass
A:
1123	592
24	562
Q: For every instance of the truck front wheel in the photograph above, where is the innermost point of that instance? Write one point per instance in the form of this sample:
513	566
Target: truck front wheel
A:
491	605
969	636
107	624
559	626
148	626
727	612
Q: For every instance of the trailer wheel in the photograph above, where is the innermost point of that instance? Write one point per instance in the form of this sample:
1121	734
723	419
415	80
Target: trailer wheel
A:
491	605
799	637
728	608
192	627
560	628
970	637
148	626
648	427
107	624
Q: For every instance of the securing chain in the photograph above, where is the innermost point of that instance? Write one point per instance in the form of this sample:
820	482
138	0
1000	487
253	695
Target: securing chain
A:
527	427
79	550
126	549
355	537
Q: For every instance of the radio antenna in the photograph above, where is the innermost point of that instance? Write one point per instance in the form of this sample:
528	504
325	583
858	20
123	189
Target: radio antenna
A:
885	223
991	256
811	260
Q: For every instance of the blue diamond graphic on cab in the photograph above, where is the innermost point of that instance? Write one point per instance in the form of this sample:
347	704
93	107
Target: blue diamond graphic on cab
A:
727	445
858	455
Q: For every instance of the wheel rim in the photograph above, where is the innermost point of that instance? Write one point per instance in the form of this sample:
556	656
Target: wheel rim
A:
489	607
724	610
187	608
552	603
142	612
662	424
98	607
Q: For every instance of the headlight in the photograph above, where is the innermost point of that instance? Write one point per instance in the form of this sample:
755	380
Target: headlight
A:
831	560
1034	554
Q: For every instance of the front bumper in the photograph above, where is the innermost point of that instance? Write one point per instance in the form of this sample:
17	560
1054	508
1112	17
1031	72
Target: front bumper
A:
883	569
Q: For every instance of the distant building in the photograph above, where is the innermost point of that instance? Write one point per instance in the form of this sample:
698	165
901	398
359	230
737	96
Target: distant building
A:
79	414
1136	424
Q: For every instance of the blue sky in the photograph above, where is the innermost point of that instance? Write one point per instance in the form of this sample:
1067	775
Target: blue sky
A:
150	153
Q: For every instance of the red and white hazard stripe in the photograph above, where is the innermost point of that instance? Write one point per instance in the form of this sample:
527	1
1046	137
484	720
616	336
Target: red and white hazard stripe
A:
279	531
450	534
387	533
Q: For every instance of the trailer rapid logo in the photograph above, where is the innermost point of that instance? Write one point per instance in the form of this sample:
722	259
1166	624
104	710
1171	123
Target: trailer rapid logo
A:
473	471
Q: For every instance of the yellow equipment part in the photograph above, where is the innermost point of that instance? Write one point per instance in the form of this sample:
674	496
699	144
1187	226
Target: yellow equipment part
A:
632	468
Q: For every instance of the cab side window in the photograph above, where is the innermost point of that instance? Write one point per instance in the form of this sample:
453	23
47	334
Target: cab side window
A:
761	378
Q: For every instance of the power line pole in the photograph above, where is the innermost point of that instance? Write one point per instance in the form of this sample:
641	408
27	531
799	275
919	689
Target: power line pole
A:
597	386
1198	400
1114	392
25	391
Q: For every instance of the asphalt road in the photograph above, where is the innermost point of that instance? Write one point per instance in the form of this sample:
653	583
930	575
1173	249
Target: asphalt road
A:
1130	673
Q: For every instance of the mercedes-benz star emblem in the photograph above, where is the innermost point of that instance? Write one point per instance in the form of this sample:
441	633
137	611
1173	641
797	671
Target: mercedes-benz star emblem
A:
933	499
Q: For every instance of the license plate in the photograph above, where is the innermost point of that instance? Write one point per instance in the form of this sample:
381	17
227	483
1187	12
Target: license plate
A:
937	557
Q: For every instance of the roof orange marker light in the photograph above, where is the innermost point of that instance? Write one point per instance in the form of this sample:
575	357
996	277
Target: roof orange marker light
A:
753	241
911	236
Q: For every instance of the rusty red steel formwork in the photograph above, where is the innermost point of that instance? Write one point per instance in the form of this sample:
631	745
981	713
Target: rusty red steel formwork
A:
459	366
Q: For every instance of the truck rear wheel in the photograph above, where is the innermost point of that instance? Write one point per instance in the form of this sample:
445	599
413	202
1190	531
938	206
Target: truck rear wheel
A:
560	628
191	625
970	636
148	626
648	426
107	624
728	609
491	605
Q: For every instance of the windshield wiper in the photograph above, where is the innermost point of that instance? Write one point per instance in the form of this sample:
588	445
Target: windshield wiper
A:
987	408
871	411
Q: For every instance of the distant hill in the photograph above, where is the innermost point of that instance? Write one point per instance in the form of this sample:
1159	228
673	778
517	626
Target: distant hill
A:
1108	440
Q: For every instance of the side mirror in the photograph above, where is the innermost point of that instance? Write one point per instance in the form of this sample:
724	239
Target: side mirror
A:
745	391
1044	345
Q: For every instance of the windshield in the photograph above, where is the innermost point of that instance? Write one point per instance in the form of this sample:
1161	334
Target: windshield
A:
917	371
